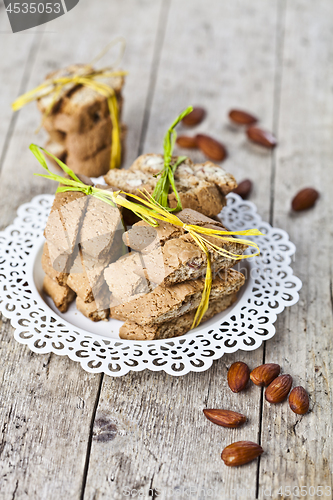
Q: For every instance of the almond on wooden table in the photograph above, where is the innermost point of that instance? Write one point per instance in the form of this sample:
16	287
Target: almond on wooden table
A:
213	149
240	453
262	137
184	141
238	376
304	199
299	400
244	188
195	117
263	375
225	418
278	390
242	117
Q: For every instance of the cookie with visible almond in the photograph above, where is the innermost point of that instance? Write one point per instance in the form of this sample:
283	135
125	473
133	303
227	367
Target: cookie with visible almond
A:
201	187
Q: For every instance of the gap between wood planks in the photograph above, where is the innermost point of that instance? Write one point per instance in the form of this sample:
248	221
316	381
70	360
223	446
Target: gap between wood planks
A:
160	36
22	89
280	31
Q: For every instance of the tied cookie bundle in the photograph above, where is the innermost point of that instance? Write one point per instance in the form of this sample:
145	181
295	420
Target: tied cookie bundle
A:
178	271
81	111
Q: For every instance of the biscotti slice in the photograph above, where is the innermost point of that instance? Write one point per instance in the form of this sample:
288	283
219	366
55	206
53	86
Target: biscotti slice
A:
207	171
99	227
92	310
86	280
194	193
63	226
176	327
99	163
59	277
169	302
169	253
62	296
123	279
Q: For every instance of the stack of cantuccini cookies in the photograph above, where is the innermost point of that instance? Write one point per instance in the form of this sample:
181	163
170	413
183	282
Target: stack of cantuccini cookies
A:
157	288
152	278
79	124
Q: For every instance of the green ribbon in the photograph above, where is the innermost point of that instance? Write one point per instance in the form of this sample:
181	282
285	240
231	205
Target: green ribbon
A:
161	191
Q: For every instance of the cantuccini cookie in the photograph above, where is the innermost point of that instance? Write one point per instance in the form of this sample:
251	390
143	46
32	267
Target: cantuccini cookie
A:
62	296
169	302
59	277
175	327
201	187
63	227
170	255
92	311
79	124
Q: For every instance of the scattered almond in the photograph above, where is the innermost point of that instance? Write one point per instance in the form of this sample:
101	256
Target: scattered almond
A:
242	117
262	137
304	199
213	149
184	141
195	117
244	188
299	400
225	418
241	453
278	390
263	375
238	376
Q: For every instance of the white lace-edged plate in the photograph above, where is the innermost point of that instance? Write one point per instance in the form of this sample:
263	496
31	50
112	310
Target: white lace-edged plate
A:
270	287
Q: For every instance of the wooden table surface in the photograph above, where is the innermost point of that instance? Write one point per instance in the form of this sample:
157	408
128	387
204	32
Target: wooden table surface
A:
68	434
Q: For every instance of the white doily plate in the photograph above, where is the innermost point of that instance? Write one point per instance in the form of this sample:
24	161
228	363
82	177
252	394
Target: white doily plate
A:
270	287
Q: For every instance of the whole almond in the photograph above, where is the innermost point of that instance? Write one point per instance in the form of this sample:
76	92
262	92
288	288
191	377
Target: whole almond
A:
299	400
184	141
244	188
263	375
242	117
195	117
304	199
278	390
238	376
225	418
211	148
241	453
262	137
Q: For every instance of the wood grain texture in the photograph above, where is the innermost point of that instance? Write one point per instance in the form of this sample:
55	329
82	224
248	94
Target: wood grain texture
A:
48	401
299	448
160	442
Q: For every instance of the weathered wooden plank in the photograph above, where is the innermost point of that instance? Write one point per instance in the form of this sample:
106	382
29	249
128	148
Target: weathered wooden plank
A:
149	432
14	62
48	401
299	449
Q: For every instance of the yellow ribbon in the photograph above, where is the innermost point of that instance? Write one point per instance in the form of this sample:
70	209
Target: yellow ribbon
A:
86	76
152	212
